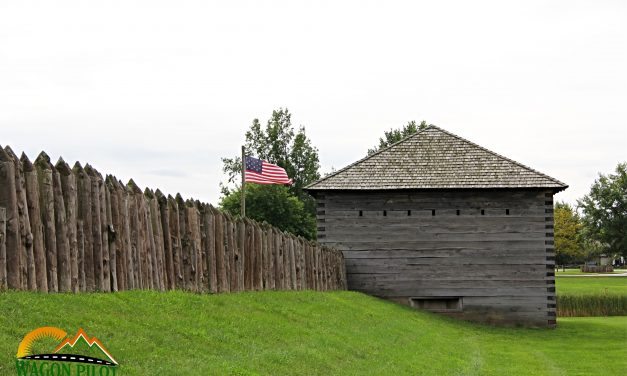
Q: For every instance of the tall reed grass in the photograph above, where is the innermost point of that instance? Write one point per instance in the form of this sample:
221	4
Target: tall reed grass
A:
591	305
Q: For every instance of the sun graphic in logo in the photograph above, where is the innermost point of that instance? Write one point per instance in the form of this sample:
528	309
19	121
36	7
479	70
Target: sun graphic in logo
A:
25	347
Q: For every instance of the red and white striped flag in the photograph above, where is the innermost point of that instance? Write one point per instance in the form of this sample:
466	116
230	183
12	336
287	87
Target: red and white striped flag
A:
261	172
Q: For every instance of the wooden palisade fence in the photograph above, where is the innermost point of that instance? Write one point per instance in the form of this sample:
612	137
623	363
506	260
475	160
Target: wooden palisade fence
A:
69	229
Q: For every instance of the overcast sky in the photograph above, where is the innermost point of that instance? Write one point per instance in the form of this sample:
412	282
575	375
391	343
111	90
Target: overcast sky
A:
160	90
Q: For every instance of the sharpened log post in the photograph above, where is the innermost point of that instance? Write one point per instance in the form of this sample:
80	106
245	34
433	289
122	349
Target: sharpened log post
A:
46	200
25	237
164	209
63	243
34	214
68	188
8	200
211	249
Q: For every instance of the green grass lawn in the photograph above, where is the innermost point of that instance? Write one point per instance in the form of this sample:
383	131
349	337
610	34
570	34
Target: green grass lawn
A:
591	285
307	333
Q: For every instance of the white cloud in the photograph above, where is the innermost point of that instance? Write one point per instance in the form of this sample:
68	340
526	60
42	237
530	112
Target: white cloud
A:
135	87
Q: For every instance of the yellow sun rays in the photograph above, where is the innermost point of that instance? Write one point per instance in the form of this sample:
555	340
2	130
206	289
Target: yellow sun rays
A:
44	332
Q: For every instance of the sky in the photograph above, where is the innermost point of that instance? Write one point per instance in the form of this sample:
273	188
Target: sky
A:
160	91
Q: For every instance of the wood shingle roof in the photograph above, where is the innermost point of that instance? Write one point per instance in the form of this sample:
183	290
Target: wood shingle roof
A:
435	158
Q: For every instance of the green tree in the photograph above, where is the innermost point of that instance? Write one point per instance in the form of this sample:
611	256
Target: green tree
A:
395	135
274	204
605	212
567	230
278	143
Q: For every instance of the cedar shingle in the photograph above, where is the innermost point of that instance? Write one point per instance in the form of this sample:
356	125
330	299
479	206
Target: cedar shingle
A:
435	158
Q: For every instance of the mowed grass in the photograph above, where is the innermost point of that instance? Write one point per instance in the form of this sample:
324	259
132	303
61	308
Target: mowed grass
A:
591	296
307	333
591	285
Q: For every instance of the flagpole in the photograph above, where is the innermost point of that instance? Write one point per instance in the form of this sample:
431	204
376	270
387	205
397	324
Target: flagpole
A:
243	193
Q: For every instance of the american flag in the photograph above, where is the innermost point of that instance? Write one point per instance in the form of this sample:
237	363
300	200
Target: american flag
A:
261	172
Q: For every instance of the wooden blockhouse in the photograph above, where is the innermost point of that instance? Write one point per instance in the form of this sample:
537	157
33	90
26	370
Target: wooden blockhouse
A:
440	223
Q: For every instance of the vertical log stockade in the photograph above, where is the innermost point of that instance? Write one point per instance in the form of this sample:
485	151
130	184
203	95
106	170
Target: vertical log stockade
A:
69	229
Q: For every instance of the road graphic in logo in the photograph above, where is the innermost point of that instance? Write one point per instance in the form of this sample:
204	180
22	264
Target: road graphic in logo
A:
77	355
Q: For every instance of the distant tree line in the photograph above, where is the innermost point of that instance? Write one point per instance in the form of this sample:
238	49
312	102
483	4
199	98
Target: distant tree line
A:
597	225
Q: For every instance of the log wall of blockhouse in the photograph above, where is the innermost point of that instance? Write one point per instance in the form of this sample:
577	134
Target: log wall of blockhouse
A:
491	248
68	229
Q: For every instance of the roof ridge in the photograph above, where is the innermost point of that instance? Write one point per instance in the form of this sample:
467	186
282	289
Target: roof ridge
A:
501	156
371	155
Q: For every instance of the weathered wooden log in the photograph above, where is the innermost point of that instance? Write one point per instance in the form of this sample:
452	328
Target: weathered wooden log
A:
307	265
318	261
264	256
293	263
104	233
202	262
209	229
83	228
46	204
25	250
223	283
34	215
258	259
64	273
145	250
164	209
155	240
111	206
185	242
249	235
3	248
68	189
241	253
271	254
116	235
126	254
278	259
136	269
227	250
193	235
175	236
96	227
8	200
231	245
301	264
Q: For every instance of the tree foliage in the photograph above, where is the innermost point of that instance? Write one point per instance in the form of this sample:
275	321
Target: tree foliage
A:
274	204
395	135
605	212
567	233
279	143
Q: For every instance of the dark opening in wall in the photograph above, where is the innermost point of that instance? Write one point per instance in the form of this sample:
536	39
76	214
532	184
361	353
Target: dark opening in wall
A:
482	212
409	213
433	212
506	211
457	212
385	213
361	213
437	303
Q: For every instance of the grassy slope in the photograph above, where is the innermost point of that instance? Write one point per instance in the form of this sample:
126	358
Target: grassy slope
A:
591	285
307	333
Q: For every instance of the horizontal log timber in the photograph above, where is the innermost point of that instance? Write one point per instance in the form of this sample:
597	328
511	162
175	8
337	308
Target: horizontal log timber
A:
467	244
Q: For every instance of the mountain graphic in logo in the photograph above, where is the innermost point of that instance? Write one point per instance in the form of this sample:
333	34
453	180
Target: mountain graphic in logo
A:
78	349
82	344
